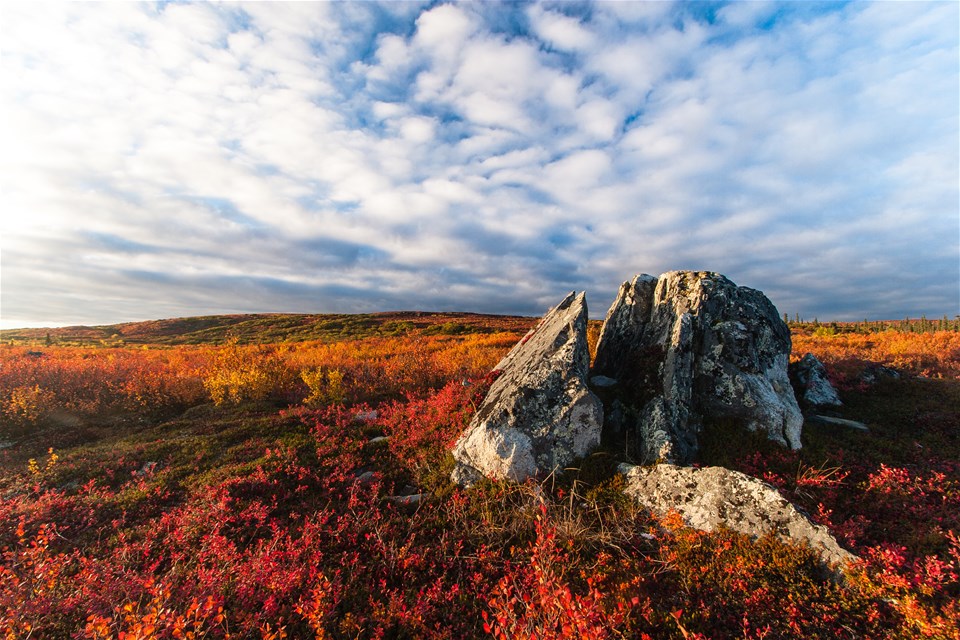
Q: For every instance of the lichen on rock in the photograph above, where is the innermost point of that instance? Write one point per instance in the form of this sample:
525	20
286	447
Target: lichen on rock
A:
690	345
708	497
539	414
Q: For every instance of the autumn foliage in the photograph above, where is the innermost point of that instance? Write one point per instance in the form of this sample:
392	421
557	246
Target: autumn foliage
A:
238	490
932	354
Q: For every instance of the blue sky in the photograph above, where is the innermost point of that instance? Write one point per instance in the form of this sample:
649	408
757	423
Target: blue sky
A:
173	159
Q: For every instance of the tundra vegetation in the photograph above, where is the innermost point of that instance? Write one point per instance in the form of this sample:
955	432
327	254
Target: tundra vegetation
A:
225	477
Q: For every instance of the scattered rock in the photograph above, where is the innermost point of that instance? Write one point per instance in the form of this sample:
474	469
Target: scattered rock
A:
602	382
874	373
146	470
367	477
378	440
409	501
690	345
814	389
539	414
709	497
840	422
366	416
6	444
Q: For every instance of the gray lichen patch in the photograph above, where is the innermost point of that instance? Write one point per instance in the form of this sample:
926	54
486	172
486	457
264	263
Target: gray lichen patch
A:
691	345
539	414
709	497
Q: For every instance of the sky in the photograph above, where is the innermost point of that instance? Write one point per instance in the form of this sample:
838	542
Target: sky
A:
177	159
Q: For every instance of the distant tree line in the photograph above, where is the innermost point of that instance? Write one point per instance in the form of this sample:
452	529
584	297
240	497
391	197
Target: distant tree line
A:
909	325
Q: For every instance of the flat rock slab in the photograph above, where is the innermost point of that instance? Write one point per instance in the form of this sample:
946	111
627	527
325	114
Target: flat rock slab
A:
712	496
539	414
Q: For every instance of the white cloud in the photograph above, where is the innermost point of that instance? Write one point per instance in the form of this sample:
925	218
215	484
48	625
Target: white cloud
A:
207	153
559	30
577	172
444	28
418	129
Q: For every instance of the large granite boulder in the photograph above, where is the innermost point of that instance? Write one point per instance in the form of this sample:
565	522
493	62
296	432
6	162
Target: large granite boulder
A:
539	414
691	345
709	497
813	387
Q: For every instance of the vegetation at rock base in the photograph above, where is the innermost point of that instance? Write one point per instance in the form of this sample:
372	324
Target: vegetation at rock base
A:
214	486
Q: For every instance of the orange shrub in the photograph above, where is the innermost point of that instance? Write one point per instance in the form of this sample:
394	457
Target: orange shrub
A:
377	368
83	381
236	374
88	382
27	405
935	354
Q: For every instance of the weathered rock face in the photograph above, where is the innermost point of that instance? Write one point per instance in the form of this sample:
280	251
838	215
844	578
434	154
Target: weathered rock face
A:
539	414
710	496
813	388
689	345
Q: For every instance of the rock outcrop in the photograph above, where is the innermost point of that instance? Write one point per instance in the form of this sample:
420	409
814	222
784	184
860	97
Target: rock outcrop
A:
690	345
813	388
539	414
712	496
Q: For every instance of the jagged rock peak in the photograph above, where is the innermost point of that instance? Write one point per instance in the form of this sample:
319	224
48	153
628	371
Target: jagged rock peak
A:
691	345
539	414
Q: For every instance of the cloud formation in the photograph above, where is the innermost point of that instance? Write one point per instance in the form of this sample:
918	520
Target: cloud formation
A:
181	159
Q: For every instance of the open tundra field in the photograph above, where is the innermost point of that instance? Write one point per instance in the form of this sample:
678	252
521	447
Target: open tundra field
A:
281	476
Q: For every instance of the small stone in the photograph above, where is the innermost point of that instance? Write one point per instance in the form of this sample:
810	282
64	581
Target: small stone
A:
815	390
602	382
409	501
147	469
873	373
366	416
841	422
378	440
367	477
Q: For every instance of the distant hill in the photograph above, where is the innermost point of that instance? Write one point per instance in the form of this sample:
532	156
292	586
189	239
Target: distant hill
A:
270	327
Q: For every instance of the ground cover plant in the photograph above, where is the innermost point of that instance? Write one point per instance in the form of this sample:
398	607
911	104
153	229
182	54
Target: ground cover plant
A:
241	488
